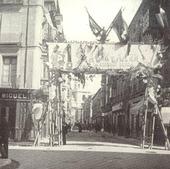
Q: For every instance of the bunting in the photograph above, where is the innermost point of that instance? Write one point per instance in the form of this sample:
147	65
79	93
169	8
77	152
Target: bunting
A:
162	18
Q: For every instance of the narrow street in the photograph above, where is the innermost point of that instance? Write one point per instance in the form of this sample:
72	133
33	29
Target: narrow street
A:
89	150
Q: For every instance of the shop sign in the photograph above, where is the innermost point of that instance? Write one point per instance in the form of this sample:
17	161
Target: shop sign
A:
14	95
117	107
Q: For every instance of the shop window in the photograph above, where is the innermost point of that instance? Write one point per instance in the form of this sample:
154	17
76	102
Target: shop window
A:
9	71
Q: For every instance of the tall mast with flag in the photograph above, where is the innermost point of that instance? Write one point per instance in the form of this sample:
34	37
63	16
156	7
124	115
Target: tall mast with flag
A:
96	29
118	25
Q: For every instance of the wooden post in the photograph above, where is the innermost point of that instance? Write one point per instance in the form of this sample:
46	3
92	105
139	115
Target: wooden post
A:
153	130
166	144
163	128
59	115
145	119
51	131
36	141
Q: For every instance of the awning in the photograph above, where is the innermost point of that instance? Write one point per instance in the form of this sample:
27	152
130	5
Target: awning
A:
136	107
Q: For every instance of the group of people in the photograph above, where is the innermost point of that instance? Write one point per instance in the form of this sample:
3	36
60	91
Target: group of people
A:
4	134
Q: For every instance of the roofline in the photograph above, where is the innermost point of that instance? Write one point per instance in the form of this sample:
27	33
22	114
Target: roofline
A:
136	13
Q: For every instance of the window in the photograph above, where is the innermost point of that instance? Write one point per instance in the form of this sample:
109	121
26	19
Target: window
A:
9	71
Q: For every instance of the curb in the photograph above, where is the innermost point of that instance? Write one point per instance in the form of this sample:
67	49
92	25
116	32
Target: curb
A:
4	162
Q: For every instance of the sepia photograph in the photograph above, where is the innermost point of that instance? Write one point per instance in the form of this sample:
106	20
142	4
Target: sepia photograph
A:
84	84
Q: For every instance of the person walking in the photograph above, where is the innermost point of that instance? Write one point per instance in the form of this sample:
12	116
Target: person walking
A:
4	134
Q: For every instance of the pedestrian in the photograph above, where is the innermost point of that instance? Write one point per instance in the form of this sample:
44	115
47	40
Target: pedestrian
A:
64	132
4	134
79	127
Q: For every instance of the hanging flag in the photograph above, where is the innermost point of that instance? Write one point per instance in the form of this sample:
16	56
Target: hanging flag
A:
162	18
37	111
95	28
151	95
48	18
120	27
128	49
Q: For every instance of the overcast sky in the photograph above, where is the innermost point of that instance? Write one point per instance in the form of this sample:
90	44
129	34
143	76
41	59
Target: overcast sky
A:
76	21
75	18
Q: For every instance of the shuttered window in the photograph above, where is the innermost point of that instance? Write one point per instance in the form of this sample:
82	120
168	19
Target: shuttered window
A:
9	71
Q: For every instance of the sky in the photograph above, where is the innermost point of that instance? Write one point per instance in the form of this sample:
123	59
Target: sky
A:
76	22
75	18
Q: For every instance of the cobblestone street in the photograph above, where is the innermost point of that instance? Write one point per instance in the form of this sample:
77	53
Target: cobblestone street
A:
89	150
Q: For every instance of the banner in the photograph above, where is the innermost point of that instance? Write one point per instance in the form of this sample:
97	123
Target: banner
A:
37	111
93	56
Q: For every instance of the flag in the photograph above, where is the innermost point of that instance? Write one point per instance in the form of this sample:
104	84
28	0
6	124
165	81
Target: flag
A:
120	27
151	95
37	111
128	49
48	18
95	28
162	18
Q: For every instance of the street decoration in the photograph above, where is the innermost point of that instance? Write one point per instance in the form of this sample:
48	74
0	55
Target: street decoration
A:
162	17
134	61
152	78
118	25
97	57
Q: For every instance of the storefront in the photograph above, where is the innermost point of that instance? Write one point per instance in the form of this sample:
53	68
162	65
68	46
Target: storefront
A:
17	105
108	121
136	116
118	118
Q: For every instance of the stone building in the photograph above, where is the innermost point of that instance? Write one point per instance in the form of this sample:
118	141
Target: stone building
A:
97	115
22	48
147	28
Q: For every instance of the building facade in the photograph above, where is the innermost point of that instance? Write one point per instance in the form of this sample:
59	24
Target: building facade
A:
124	98
22	48
97	115
150	25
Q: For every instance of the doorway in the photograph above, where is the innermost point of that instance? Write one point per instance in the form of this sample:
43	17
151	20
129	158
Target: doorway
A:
10	111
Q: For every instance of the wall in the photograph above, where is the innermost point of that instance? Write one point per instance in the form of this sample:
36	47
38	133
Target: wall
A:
16	33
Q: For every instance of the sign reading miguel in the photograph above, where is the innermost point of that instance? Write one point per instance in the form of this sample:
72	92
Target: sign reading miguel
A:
15	94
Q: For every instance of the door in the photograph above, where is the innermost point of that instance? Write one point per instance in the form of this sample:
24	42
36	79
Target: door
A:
121	123
10	113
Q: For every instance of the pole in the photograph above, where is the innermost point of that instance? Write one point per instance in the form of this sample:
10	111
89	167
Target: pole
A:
59	116
144	125
26	43
153	129
64	128
51	130
163	128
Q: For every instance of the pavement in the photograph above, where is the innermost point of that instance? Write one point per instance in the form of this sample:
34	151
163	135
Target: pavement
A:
4	162
88	142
